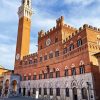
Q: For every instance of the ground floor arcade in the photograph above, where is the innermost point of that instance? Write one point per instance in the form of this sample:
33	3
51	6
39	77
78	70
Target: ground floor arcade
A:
79	87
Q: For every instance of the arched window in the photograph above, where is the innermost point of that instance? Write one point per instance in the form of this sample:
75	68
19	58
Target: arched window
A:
51	55
65	50
71	47
79	42
67	92
82	69
39	91
57	73
56	39
34	90
51	75
57	91
45	91
24	78
45	75
73	71
84	93
28	2
51	91
34	77
30	61
56	53
45	57
29	77
35	61
23	1
40	76
41	59
66	72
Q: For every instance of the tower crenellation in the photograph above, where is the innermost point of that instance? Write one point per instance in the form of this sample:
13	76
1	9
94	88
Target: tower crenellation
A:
60	21
41	33
25	9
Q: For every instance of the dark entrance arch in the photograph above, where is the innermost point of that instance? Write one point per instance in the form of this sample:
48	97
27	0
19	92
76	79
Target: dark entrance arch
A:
19	90
24	90
6	87
0	90
75	94
14	86
28	92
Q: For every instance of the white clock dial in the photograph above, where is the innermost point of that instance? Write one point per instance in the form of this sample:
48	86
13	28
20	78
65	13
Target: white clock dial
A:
48	42
17	56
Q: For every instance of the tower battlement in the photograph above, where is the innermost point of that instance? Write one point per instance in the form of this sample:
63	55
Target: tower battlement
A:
30	55
60	21
79	30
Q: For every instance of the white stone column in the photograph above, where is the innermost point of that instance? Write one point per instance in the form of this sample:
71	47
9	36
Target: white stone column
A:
54	92
71	94
79	96
26	92
42	92
48	92
62	92
22	91
31	92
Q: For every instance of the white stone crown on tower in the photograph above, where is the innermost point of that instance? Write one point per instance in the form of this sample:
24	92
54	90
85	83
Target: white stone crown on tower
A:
25	10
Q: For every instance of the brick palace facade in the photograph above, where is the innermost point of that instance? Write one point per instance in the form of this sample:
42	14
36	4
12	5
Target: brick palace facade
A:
66	65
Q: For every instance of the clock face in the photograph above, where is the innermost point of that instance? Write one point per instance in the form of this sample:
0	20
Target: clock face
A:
17	56
48	42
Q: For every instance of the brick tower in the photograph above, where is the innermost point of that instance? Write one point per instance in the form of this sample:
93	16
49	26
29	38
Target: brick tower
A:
23	38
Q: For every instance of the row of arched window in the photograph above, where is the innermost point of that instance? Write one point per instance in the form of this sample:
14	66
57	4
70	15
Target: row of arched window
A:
51	54
57	74
71	46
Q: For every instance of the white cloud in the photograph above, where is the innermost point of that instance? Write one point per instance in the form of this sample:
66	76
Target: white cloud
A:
8	9
44	2
81	2
4	37
7	56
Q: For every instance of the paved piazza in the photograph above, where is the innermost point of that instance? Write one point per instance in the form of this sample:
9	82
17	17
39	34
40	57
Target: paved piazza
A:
20	98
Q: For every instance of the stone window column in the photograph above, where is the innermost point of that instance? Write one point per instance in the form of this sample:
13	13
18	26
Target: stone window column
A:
79	94
22	91
71	94
54	92
48	89
62	93
31	92
42	91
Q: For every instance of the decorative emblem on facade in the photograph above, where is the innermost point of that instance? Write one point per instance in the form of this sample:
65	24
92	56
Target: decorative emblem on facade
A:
17	56
48	42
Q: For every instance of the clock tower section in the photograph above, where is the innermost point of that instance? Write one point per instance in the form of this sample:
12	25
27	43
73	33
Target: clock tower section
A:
23	37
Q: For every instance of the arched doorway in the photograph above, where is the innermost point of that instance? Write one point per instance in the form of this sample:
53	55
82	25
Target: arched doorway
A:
28	92
75	94
24	91
19	90
1	84
0	90
14	86
6	87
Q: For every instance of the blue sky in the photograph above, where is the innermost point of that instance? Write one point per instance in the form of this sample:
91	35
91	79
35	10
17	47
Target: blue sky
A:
76	13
